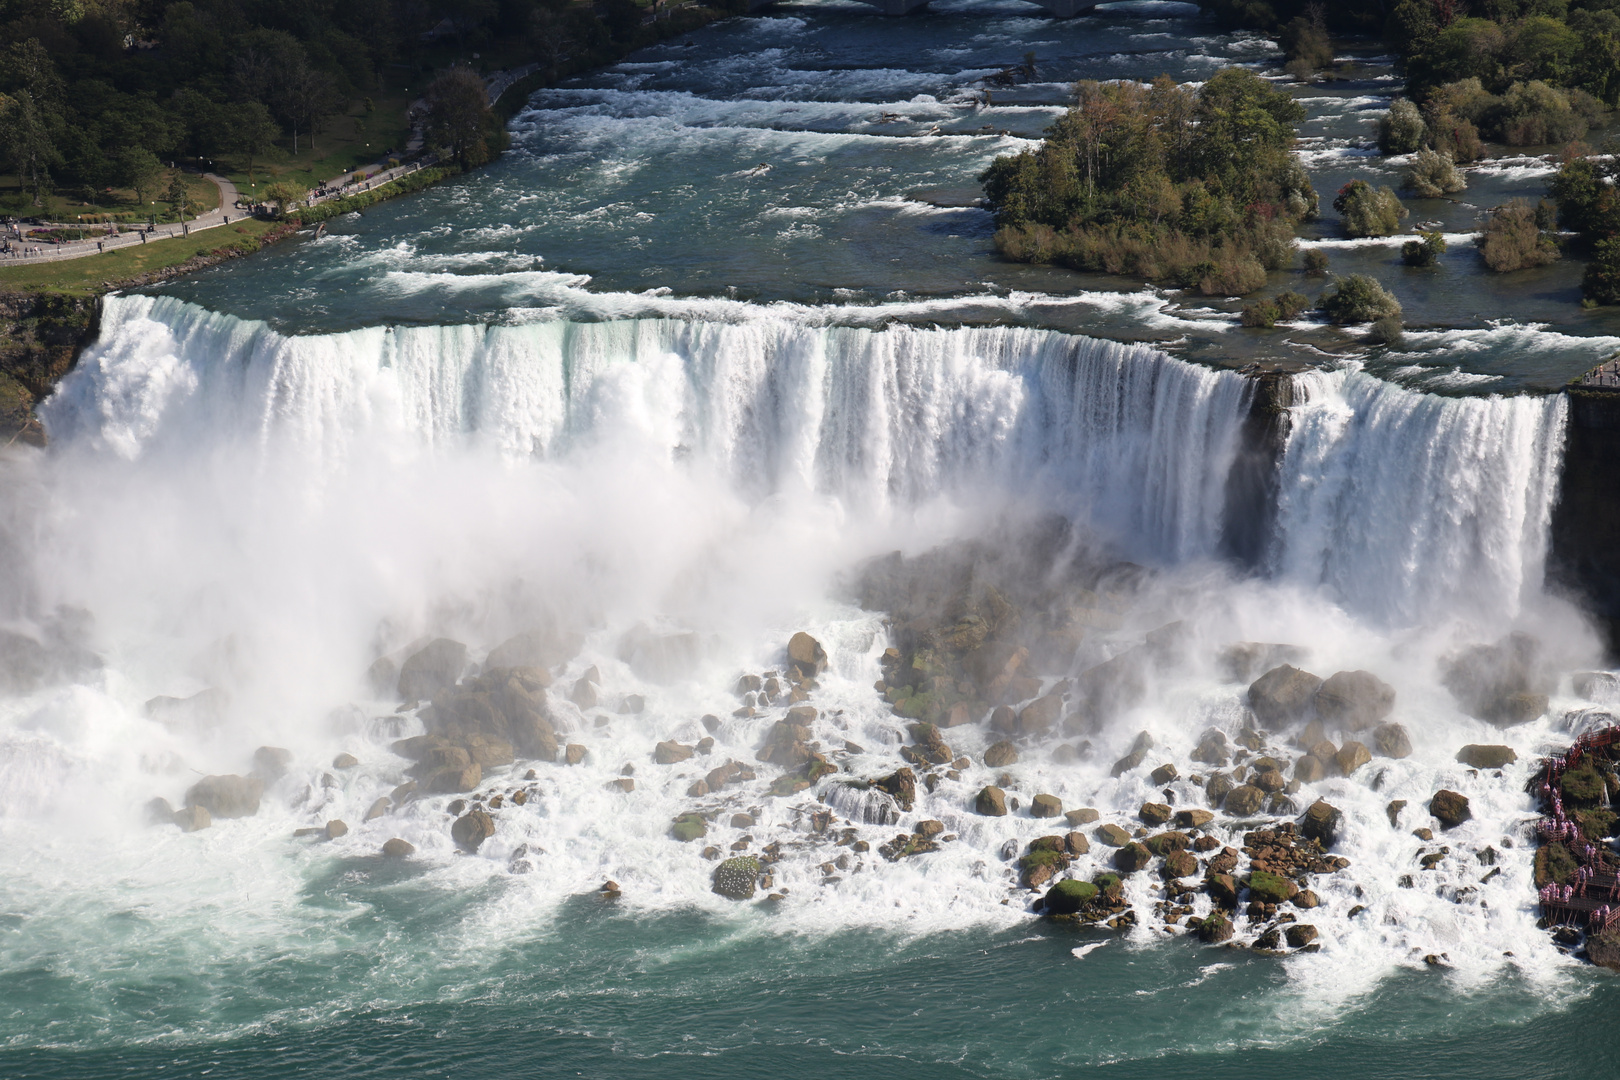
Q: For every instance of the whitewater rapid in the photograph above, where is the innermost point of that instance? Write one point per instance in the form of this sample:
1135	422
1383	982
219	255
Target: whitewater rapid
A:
238	508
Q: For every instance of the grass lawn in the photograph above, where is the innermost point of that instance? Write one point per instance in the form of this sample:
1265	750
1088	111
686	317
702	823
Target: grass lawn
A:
119	203
349	141
94	273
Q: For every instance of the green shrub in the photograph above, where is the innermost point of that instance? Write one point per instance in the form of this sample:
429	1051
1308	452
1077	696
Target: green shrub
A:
1385	331
1368	211
1600	283
1262	314
1432	174
1358	299
1425	251
1513	239
1582	785
1290	304
1554	865
1316	263
1307	46
1401	130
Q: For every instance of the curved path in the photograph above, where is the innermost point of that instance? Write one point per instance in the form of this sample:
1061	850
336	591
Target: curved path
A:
223	214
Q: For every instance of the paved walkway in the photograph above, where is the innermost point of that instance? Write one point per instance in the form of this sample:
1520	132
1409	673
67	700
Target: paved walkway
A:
39	252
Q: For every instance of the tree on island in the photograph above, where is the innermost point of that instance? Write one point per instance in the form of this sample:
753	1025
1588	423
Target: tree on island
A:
1164	182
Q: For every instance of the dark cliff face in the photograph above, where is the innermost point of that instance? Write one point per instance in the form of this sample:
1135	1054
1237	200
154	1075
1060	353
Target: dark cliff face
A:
40	338
1250	516
1584	560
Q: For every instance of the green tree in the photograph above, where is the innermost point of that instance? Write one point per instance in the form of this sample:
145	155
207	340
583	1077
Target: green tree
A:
1600	283
26	140
1358	299
283	193
1368	211
139	168
458	114
178	196
1401	130
1425	251
254	134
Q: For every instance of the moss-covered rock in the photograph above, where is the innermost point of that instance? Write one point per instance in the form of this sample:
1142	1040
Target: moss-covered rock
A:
1038	867
1271	888
1554	865
1596	824
1582	785
735	878
1131	858
1214	928
689	827
1070	896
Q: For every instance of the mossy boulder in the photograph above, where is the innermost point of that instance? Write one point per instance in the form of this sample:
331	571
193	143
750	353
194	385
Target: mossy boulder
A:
689	827
1166	842
1038	867
1214	928
1244	800
1070	896
735	878
1476	756
1554	865
1271	888
1111	887
1596	824
1582	785
1131	858
1180	864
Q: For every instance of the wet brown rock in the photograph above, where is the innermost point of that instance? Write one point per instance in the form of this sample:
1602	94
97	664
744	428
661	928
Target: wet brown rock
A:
228	796
1268	780
453	778
1040	716
1321	823
1077	844
668	753
345	761
472	829
1154	813
1084	816
901	785
1486	757
806	657
1193	819
1214	929
1222	889
1164	774
1131	858
1300	935
193	818
1000	755
1283	695
398	849
1043	806
1355	700
1307	899
1392	741
1217	788
1451	808
1112	835
1180	864
991	802
1351	756
1244	801
1309	769
624	784
435	666
573	754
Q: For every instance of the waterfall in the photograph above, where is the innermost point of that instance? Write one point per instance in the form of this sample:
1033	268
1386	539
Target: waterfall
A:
1406	505
1123	436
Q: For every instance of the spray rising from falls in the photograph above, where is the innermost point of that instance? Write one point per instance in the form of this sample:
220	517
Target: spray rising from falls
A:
258	518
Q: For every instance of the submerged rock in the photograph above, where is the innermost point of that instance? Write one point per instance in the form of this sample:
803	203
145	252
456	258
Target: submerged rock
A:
271	763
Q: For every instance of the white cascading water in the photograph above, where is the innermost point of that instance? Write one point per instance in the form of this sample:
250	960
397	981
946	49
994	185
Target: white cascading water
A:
264	513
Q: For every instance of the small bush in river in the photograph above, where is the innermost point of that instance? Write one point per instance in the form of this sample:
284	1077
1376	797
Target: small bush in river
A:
1401	130
1425	251
1368	211
1513	239
1432	174
1316	263
1358	299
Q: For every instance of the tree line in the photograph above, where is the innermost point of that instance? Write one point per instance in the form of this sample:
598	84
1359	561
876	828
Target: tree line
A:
96	93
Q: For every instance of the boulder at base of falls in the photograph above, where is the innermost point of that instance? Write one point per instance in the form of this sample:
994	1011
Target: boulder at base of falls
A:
336	828
1214	928
345	761
1222	889
398	849
433	667
1309	769
1321	823
735	878
540	649
1069	896
1392	741
991	801
1193	819
1180	864
1300	935
1001	754
1451	808
472	829
1503	684
1486	757
806	657
453	778
689	827
1131	858
1112	835
1271	888
1283	695
227	796
1604	949
1243	661
668	753
1083	816
1351	756
1244	800
901	785
1154	813
1355	700
192	818
270	763
1043	806
159	812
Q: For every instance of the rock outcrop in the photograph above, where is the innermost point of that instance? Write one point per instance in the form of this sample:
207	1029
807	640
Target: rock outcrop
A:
1284	695
229	796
